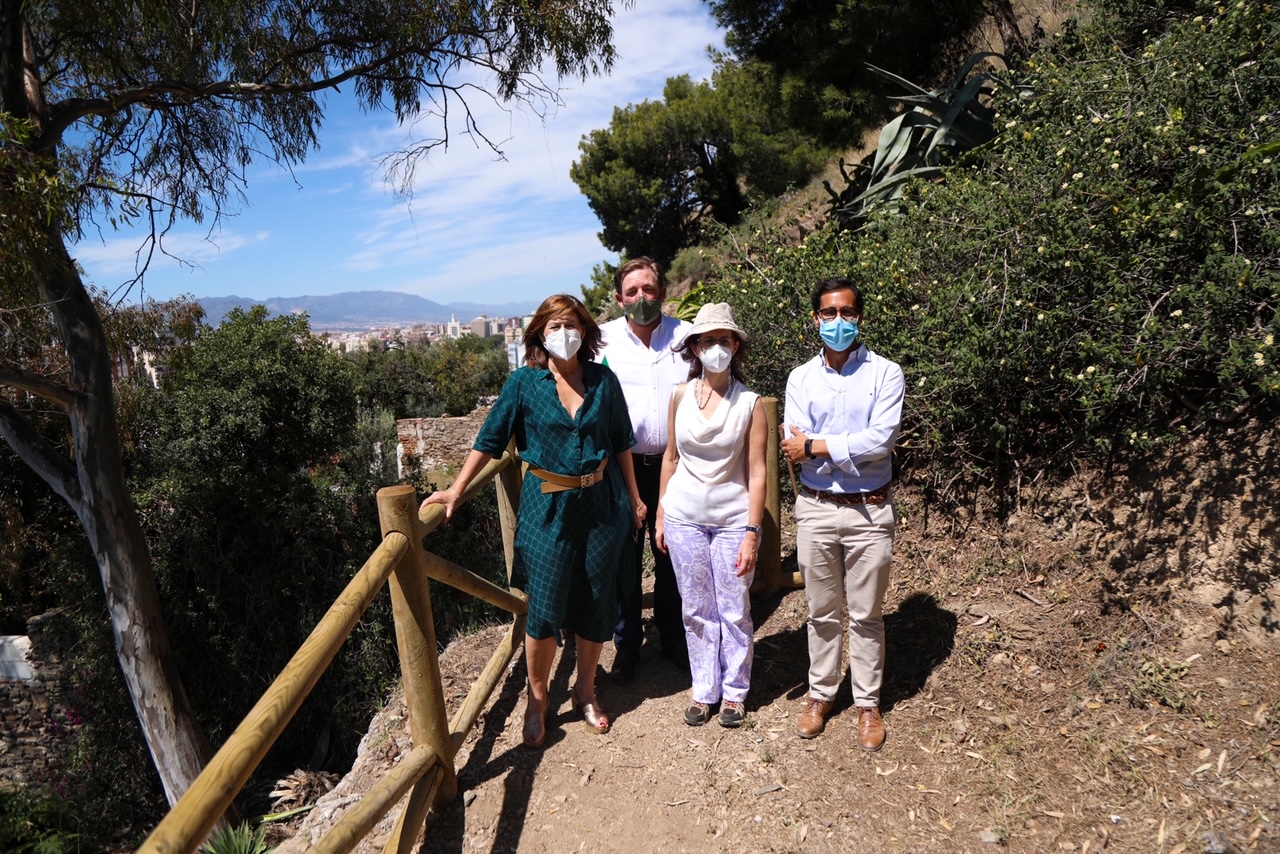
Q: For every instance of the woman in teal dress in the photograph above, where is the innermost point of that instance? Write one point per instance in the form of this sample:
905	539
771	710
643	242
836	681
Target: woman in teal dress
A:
578	505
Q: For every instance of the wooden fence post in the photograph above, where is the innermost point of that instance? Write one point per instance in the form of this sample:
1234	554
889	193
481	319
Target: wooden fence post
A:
769	566
419	661
426	773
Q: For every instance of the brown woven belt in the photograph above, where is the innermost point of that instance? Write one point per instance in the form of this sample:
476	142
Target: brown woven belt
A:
848	499
553	482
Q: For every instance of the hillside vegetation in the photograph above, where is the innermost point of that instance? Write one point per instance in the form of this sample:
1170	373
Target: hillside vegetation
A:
1098	282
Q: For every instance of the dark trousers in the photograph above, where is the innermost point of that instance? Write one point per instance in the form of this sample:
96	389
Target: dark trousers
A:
666	596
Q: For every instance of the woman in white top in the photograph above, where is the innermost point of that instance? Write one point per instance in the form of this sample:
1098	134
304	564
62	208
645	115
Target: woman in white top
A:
710	510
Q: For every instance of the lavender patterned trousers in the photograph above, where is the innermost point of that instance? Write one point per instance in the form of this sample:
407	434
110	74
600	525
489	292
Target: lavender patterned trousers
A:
717	609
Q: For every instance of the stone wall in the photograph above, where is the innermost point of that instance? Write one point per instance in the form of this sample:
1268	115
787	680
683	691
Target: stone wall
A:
36	733
432	444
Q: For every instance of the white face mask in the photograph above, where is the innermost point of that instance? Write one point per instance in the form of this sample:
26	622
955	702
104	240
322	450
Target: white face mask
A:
716	358
563	343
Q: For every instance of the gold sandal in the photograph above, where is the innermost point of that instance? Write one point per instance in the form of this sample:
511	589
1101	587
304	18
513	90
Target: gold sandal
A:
596	718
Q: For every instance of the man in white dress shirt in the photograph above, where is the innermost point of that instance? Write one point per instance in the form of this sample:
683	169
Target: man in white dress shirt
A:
842	416
638	347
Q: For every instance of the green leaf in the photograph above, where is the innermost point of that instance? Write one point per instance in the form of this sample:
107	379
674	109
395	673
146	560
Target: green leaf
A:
896	181
972	62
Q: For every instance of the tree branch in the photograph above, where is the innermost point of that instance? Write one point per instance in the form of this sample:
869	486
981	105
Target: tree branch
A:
63	397
72	110
40	454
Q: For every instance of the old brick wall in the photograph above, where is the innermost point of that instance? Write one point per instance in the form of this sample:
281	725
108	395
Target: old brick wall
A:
36	733
432	444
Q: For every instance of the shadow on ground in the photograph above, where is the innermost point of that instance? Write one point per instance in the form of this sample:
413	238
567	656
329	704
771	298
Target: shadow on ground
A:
516	764
919	636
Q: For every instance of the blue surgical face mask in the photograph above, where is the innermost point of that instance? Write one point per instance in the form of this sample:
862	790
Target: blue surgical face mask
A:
839	333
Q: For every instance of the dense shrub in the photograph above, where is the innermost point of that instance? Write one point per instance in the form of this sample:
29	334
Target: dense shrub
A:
255	528
1101	278
30	824
422	380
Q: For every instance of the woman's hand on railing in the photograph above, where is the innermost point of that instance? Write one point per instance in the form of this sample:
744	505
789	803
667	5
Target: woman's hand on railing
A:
448	497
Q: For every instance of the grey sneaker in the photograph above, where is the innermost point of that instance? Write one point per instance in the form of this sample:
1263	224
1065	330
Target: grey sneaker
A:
732	714
697	714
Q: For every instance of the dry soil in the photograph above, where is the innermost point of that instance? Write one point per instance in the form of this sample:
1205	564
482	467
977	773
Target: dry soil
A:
1094	669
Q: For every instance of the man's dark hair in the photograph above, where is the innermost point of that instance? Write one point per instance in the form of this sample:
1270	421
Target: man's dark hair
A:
836	283
644	262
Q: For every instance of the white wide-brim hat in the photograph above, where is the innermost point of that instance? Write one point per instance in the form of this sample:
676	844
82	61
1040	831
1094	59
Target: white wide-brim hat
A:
716	315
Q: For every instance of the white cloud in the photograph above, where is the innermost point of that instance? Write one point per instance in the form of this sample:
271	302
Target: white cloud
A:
127	254
465	199
531	268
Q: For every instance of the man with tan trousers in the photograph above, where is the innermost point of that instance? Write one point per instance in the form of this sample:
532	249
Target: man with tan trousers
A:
842	416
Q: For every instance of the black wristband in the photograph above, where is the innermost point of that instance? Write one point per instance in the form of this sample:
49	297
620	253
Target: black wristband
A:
808	449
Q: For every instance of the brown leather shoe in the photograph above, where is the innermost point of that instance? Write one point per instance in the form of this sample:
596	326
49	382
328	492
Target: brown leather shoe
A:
870	728
814	719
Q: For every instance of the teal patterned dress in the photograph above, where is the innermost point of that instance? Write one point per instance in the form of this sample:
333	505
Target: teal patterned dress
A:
567	543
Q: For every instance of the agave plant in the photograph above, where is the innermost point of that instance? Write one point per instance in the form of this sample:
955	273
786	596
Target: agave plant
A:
688	305
918	143
241	839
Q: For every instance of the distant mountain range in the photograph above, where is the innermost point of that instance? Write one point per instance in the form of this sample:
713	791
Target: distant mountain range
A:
364	309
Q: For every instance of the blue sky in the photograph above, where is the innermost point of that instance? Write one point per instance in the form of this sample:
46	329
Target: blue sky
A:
476	229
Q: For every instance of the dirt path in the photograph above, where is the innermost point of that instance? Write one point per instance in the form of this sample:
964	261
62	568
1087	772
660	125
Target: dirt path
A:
1098	671
1036	727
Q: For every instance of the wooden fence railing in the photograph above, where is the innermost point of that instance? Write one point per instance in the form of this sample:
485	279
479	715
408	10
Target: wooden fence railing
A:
426	774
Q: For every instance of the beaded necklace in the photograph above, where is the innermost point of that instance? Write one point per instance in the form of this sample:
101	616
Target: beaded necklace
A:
703	401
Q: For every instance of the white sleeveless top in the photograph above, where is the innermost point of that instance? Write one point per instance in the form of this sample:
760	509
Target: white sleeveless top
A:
709	486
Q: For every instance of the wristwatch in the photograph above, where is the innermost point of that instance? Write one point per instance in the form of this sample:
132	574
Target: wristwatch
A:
755	529
808	449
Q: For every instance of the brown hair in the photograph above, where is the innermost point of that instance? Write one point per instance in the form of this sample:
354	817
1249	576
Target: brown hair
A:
644	262
535	355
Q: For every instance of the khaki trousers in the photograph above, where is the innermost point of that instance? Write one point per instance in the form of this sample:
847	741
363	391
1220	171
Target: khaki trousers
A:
844	553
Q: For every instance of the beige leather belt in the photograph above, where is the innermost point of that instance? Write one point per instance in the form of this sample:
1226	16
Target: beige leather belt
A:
553	482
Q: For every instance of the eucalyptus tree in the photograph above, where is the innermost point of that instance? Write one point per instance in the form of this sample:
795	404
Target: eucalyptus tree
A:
144	111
